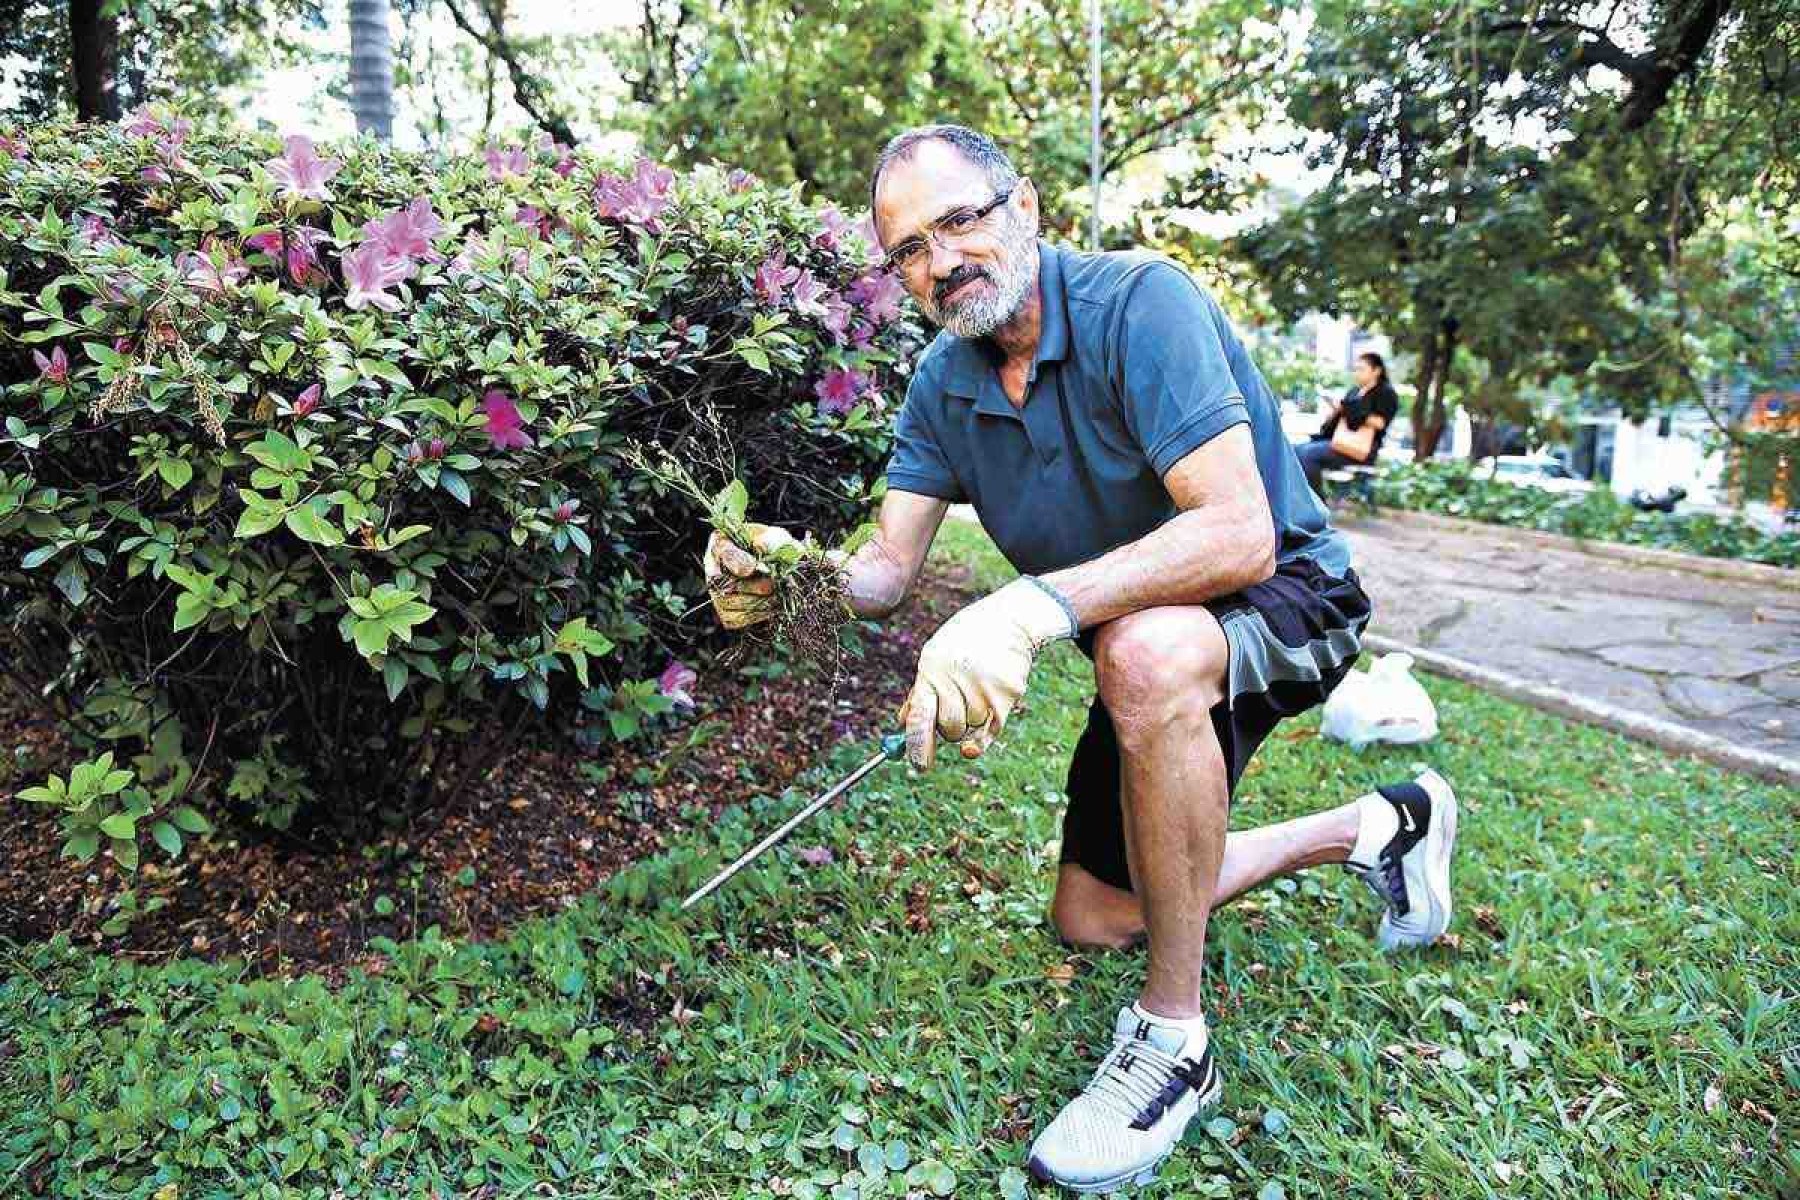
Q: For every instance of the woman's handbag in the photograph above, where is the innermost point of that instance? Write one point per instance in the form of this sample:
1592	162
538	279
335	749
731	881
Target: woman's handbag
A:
1354	444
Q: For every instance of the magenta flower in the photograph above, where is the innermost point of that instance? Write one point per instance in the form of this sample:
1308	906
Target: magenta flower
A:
98	233
836	319
865	229
638	200
504	425
406	232
123	345
300	171
861	333
808	298
815	856
11	147
564	155
54	369
834	225
154	174
211	268
740	180
774	277
307	401
140	123
302	253
368	272
677	681
879	294
839	389
501	163
538	221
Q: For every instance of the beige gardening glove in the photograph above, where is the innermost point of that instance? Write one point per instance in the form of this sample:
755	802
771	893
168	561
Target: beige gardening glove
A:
739	582
974	668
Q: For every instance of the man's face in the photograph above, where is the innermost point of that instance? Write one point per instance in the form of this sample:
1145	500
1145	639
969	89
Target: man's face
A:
979	280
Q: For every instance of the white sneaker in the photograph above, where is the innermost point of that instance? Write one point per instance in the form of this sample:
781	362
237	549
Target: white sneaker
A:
1403	846
1132	1113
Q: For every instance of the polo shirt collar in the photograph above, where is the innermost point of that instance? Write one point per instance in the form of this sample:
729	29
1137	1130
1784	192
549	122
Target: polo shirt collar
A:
974	362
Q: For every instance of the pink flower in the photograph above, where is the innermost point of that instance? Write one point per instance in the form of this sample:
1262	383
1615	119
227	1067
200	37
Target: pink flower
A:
774	277
504	426
154	174
564	155
676	682
879	293
301	251
539	222
833	226
836	319
861	333
808	295
406	232
123	345
839	389
98	233
11	147
54	369
865	229
369	271
638	200
740	180
140	123
306	401
300	171
211	268
501	163
815	856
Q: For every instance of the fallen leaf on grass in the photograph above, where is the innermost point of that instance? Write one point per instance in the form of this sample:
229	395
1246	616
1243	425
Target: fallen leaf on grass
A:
1062	974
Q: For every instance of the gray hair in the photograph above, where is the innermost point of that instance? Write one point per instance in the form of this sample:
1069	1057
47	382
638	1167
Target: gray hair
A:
978	148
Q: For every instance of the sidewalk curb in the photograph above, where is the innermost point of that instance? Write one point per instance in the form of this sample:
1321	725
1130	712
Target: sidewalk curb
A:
1663	734
1645	556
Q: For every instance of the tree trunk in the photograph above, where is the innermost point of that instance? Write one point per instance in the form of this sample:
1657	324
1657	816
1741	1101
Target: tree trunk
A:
371	69
94	54
1428	358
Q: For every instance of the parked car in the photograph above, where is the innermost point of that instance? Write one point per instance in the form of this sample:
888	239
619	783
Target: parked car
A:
1534	470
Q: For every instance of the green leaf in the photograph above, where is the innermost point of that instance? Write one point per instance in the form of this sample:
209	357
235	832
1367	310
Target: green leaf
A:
259	516
305	523
38	557
125	853
119	825
166	837
455	484
176	472
730	505
190	820
384	906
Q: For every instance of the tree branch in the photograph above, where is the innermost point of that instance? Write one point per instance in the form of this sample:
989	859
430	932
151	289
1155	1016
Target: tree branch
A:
526	89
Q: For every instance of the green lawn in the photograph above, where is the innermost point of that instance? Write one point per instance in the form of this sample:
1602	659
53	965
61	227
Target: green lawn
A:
1619	1018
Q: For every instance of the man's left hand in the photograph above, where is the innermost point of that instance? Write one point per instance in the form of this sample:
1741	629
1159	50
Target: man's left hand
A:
974	668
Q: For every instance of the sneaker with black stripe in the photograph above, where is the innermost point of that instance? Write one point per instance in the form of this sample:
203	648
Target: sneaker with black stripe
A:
1132	1113
1406	835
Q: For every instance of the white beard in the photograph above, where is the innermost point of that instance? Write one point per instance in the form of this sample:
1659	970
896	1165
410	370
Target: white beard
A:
1007	285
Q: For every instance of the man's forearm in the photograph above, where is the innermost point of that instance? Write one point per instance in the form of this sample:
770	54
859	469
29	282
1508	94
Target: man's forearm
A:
1198	555
877	581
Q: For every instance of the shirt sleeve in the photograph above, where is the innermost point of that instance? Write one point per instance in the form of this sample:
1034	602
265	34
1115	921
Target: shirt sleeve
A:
1170	369
918	463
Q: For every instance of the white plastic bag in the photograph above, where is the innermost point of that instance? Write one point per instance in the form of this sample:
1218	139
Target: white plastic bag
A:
1383	704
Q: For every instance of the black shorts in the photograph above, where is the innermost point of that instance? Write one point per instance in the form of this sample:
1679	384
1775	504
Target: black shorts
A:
1292	639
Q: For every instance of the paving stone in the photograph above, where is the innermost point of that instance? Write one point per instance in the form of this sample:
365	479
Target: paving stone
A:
1716	661
1708	698
1781	685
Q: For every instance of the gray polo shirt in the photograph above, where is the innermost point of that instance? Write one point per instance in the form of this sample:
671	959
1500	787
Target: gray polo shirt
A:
1136	366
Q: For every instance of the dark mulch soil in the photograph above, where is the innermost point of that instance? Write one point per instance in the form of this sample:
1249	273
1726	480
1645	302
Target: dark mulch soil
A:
538	830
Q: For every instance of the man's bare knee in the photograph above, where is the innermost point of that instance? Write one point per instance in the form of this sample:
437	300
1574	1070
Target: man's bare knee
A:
1158	666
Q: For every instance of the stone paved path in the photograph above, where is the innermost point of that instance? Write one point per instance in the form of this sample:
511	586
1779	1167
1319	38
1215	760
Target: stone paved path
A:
1716	655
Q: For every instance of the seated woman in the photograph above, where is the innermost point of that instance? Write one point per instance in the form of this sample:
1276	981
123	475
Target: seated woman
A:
1351	436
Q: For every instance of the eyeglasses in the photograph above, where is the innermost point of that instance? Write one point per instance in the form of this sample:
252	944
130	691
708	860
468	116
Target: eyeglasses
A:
952	227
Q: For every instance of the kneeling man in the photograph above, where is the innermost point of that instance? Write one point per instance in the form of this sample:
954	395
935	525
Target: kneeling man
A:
1127	457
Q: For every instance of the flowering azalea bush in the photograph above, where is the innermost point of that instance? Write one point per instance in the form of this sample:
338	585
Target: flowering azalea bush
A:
315	468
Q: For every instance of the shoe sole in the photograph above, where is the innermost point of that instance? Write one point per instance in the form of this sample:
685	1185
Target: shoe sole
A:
1440	844
1137	1176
